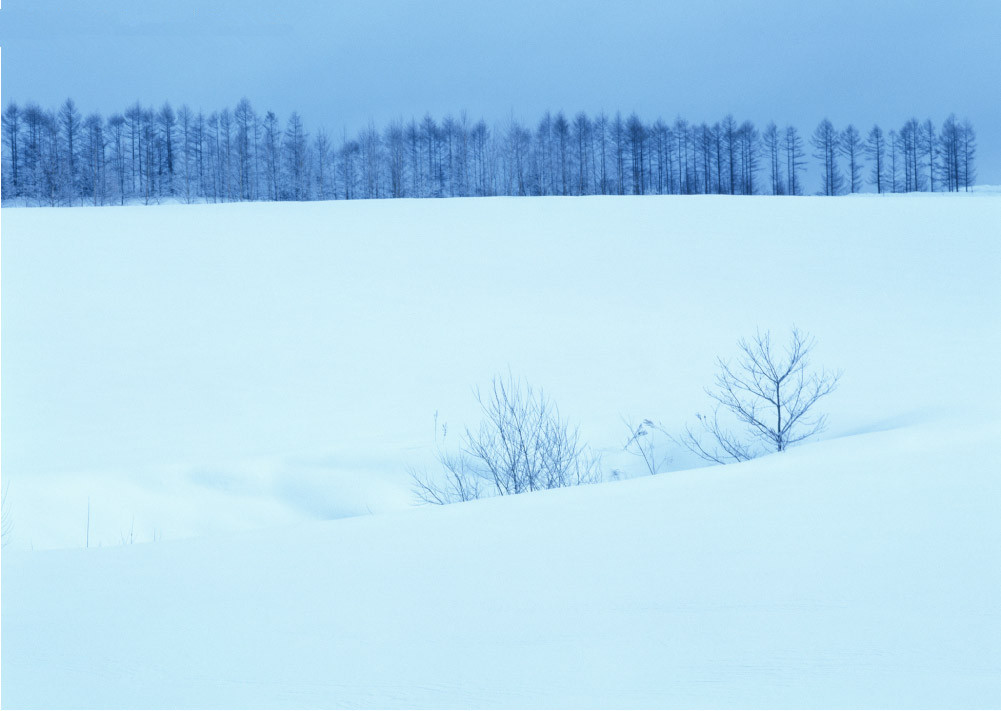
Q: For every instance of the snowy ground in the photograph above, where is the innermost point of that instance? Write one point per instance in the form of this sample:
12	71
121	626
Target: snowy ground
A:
859	572
236	374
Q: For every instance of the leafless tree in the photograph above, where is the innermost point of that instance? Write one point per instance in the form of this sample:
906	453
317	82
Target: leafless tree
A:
794	159
968	141
771	141
771	393
521	445
827	141
851	147
875	150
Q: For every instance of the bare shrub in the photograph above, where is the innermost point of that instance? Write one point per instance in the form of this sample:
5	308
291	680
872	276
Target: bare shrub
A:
522	444
456	482
641	444
772	393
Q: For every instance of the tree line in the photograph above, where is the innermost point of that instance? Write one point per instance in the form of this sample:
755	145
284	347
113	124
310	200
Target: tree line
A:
148	155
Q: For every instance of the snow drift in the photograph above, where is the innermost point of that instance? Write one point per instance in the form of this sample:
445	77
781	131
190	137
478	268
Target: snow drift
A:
859	572
237	375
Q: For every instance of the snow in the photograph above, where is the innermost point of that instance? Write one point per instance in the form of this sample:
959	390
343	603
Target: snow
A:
211	368
237	377
858	572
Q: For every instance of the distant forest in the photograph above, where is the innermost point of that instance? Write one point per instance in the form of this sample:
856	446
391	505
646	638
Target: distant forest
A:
148	155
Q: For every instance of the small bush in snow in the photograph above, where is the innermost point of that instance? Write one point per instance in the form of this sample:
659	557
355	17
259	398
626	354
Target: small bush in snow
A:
522	444
773	394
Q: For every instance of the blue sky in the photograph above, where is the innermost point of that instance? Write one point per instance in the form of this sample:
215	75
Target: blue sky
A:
345	64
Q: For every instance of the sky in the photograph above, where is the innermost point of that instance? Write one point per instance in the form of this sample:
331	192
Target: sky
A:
345	64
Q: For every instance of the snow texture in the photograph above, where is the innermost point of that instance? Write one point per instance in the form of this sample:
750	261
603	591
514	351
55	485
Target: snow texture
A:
231	374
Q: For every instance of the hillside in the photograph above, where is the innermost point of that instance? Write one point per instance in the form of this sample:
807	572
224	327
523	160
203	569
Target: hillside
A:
247	384
193	370
861	572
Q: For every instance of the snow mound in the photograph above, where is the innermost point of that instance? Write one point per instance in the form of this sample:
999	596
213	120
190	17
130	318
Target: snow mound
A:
858	572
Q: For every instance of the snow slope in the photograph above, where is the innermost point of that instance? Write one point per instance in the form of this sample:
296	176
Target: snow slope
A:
228	379
193	370
857	572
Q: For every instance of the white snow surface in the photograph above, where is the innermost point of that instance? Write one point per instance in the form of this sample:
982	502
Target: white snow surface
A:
859	572
230	378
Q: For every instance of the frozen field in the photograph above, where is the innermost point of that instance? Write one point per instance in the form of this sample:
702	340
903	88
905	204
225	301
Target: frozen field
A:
202	369
861	572
228	379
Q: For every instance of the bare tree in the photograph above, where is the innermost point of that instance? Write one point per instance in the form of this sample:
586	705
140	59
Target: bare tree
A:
894	156
93	150
968	150
910	138
522	445
245	120
875	149
166	121
748	136
272	154
295	149
69	123
11	127
794	159
730	140
928	140
771	140
851	147
636	135
826	141
771	393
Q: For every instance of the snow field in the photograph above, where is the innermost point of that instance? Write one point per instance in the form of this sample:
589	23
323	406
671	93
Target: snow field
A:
211	368
858	572
230	379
